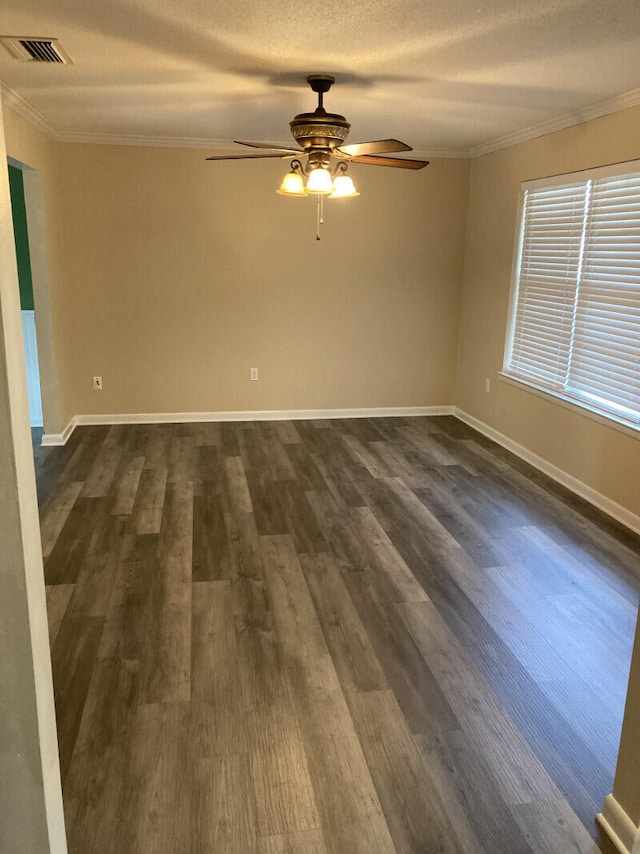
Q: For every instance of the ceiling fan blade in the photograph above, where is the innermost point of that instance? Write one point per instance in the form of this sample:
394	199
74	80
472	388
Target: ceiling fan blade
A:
399	163
249	156
272	145
377	146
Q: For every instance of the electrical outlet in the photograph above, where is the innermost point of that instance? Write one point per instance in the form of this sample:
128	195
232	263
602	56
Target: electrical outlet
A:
487	384
253	374
97	383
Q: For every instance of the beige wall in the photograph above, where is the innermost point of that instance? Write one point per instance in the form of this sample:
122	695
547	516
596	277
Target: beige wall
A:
180	275
170	277
605	459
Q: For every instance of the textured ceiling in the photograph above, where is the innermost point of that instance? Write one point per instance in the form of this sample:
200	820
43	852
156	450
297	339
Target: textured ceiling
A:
451	74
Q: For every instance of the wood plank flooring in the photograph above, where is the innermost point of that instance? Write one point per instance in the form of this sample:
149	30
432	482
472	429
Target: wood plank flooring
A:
330	637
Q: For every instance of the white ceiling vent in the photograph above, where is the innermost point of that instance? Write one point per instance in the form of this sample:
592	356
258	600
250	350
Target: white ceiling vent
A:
32	49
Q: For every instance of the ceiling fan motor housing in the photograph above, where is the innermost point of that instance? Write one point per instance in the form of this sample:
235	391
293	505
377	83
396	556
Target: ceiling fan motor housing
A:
319	129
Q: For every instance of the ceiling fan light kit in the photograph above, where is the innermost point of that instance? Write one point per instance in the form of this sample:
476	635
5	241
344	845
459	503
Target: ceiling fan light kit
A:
321	136
343	187
320	182
293	182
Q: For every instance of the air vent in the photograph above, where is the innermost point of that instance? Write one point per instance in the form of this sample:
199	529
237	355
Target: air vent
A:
31	49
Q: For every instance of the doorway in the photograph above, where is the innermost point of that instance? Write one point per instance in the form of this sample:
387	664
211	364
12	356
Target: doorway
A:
27	208
27	304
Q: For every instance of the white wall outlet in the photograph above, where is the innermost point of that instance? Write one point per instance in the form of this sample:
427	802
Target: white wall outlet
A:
487	384
97	383
253	374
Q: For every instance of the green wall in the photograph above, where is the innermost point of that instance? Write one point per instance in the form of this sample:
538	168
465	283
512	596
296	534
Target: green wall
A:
19	211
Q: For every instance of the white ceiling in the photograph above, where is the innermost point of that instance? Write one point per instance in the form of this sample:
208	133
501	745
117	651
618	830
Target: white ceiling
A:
446	76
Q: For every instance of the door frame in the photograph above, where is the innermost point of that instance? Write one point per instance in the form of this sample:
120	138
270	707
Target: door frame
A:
42	305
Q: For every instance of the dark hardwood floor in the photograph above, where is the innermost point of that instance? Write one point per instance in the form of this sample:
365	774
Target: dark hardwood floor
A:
330	637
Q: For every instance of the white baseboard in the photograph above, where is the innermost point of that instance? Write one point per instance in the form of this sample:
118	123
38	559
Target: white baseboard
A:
50	440
618	826
243	415
611	508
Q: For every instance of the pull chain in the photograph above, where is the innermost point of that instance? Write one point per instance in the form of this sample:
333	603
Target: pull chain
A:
319	215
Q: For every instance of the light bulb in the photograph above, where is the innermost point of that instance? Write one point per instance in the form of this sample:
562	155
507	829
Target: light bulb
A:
343	187
319	182
292	185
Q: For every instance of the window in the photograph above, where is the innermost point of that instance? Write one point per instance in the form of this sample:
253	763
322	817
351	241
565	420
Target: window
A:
574	327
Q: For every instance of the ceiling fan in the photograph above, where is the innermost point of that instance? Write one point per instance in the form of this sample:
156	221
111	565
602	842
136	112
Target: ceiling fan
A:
321	135
321	138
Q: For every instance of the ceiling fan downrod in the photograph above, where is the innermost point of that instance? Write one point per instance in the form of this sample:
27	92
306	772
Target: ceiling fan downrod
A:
320	84
320	130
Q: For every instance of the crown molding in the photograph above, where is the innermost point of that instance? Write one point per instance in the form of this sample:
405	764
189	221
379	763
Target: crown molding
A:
437	152
576	117
195	142
144	141
595	111
23	108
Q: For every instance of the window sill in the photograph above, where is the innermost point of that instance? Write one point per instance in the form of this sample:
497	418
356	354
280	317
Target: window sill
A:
607	419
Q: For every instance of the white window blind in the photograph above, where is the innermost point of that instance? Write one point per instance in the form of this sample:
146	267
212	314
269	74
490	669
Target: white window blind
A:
575	325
